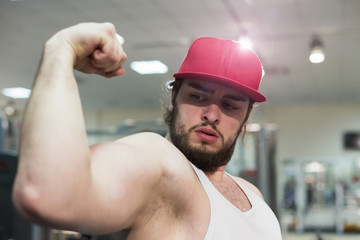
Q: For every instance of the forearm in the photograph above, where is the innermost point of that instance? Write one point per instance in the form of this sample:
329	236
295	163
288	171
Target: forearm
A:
54	152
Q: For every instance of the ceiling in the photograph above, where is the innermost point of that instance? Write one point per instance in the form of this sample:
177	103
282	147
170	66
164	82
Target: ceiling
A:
281	31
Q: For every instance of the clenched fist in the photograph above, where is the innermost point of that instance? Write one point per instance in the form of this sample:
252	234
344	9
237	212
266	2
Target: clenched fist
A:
95	48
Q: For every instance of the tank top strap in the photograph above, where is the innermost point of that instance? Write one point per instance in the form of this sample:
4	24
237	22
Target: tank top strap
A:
203	179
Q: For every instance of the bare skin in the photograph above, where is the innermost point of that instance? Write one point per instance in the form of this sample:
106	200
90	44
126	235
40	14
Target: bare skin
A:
150	189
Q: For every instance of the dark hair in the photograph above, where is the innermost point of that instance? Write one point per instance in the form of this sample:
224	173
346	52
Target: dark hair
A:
175	87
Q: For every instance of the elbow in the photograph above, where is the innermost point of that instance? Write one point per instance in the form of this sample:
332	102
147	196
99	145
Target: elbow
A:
38	207
26	199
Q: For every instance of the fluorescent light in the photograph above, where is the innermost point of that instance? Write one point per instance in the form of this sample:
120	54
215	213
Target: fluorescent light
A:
149	67
17	92
315	167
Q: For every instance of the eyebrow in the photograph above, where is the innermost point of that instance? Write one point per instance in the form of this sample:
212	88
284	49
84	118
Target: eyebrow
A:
208	90
200	87
235	98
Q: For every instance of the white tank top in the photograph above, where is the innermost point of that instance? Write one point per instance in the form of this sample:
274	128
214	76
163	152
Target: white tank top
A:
227	222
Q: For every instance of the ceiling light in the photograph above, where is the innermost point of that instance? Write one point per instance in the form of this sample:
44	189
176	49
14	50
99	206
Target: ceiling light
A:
316	50
149	67
245	42
10	110
315	167
17	92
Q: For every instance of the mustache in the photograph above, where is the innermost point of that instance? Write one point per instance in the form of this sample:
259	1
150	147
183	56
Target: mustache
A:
212	125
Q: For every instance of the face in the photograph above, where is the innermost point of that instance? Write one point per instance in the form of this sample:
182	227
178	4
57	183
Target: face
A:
206	121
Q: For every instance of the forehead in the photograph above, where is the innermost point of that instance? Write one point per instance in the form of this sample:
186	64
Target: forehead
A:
211	87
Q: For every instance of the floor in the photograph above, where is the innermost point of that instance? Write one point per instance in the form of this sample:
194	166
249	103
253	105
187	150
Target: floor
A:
325	236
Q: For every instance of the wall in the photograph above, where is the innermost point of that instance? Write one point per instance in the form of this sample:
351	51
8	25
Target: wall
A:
314	131
110	120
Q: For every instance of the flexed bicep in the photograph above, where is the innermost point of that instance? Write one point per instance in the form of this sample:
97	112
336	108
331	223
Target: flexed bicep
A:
125	179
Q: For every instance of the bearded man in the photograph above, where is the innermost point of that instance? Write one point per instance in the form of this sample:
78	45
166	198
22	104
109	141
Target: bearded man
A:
157	188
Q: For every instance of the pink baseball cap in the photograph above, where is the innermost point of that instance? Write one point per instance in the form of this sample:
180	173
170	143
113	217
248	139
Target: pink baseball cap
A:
225	62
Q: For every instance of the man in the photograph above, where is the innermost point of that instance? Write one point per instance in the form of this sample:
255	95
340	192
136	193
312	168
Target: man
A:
144	182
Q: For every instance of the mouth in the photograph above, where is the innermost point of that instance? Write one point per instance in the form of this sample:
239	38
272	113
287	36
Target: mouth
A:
207	131
207	135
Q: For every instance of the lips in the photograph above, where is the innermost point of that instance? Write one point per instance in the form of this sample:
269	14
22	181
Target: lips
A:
206	134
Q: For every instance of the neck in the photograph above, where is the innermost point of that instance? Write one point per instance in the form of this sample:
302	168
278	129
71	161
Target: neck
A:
218	175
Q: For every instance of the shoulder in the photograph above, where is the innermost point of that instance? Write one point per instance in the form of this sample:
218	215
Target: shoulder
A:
251	186
139	144
143	137
154	146
180	186
176	169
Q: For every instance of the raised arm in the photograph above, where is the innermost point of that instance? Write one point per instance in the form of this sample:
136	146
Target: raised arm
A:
61	182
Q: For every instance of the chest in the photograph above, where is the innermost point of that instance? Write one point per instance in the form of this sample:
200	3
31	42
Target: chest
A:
234	194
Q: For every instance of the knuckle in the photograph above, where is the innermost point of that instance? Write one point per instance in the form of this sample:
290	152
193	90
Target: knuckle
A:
109	28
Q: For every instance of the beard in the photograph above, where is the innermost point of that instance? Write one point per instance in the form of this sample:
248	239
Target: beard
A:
201	156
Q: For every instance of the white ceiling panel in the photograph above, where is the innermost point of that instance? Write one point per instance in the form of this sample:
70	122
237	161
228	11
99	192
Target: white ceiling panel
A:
281	31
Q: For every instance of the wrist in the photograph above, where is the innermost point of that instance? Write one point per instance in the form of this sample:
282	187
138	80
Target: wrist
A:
58	48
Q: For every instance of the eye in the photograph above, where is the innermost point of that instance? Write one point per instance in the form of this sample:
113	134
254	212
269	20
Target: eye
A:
230	107
197	97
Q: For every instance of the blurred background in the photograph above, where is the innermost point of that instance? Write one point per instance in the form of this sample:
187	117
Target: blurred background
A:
303	145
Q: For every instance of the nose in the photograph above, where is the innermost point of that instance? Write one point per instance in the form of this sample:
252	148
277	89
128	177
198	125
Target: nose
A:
211	114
